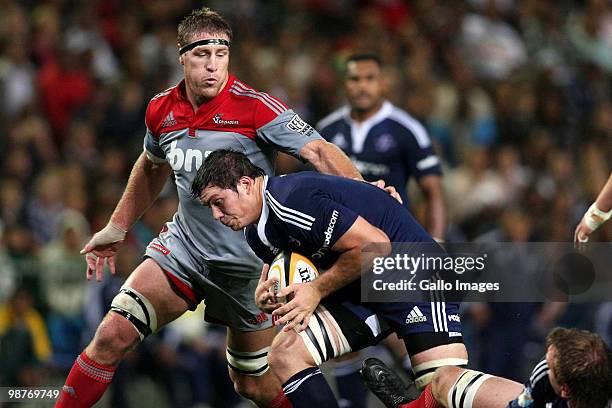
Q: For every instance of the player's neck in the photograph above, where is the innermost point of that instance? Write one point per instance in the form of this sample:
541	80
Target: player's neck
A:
360	116
198	100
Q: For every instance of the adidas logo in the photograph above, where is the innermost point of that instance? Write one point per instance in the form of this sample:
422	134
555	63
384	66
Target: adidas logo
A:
169	121
415	316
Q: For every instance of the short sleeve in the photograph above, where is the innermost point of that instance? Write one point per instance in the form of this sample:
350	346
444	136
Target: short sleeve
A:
152	148
288	133
421	157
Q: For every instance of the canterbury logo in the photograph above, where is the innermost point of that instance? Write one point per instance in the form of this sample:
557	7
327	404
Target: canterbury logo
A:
219	121
169	121
415	316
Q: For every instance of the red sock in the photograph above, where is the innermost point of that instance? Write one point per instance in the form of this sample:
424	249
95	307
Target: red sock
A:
280	401
85	384
426	400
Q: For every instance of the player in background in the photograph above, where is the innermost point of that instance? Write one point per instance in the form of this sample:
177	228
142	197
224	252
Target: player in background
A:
329	220
598	213
194	258
384	142
576	373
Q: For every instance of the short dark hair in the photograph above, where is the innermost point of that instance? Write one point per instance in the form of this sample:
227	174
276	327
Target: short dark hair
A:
583	362
223	169
365	57
202	20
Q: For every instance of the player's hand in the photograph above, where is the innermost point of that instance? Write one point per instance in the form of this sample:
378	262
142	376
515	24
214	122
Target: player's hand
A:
296	313
101	249
581	235
265	299
389	189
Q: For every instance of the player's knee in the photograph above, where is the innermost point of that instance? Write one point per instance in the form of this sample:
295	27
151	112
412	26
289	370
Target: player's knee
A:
442	380
463	388
113	339
245	385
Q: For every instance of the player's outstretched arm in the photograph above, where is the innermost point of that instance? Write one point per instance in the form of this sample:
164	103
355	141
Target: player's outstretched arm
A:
598	213
144	185
328	158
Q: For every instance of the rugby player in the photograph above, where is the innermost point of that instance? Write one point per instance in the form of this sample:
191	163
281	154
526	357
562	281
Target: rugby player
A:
194	258
328	219
384	141
576	373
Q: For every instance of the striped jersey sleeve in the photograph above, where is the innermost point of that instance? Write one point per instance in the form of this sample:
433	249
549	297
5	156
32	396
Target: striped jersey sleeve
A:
275	123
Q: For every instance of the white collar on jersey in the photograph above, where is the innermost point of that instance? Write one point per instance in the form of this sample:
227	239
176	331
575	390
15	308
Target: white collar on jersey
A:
360	130
263	219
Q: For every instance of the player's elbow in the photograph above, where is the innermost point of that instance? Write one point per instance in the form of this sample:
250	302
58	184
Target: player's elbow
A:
431	186
381	241
315	152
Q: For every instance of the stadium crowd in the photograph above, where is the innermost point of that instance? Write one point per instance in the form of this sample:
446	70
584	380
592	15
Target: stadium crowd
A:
517	96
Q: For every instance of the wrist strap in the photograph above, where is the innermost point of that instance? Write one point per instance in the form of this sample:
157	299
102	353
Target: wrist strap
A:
116	227
594	217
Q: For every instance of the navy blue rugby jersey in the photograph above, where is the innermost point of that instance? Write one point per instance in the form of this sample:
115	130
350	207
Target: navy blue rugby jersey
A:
391	145
538	392
308	212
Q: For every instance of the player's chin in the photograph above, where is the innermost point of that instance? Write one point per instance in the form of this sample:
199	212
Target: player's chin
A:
363	105
208	91
236	226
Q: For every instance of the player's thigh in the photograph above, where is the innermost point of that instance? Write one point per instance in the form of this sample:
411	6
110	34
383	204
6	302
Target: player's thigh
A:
497	392
334	330
250	340
150	281
445	351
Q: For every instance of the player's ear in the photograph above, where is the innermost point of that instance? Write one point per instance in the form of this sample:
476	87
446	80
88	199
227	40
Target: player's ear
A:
181	60
384	83
247	183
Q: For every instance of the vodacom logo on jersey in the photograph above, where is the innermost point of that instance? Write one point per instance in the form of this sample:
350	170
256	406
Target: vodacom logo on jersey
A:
190	159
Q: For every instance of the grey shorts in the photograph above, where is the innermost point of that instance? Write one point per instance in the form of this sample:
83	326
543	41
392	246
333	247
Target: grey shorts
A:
228	299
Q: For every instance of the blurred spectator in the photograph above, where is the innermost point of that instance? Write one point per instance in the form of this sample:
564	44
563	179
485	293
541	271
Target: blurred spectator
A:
64	287
491	45
24	343
46	205
474	186
65	87
17	75
7	273
590	32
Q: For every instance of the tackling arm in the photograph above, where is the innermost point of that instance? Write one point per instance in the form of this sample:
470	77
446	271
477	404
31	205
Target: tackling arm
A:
328	158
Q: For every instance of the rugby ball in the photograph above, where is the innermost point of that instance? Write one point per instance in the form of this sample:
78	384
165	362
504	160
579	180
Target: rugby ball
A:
288	268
